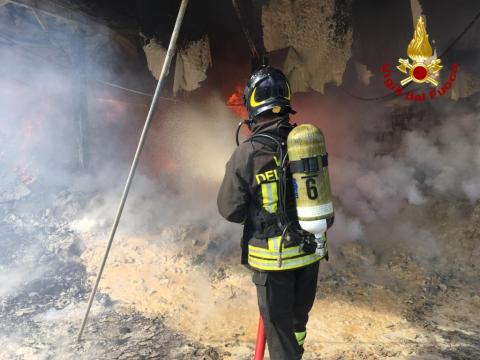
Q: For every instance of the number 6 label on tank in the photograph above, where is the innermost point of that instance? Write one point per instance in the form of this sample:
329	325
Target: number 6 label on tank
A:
314	201
312	191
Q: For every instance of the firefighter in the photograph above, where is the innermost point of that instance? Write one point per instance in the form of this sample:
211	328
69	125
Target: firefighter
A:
284	263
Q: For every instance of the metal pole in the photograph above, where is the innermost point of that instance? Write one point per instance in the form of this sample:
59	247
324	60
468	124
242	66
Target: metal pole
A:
161	80
78	64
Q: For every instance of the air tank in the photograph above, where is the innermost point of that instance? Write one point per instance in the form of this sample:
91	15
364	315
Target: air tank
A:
311	183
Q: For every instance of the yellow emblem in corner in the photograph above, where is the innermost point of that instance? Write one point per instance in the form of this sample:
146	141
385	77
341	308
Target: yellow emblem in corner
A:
420	51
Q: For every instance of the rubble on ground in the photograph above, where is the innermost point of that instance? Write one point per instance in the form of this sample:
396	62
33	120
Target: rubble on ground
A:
181	294
44	290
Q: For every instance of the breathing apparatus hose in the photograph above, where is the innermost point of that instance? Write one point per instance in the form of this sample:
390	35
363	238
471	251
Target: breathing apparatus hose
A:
283	205
240	124
279	261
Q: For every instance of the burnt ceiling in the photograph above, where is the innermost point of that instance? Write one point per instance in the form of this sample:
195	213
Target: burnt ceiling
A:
367	34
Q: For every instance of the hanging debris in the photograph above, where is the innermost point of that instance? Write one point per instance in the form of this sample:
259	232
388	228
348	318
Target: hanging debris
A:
155	54
192	64
319	47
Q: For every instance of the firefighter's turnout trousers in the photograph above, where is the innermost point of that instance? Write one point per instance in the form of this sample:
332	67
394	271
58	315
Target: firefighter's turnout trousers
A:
285	299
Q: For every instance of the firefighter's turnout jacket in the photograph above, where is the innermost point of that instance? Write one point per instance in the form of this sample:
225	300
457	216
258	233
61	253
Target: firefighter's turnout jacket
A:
249	195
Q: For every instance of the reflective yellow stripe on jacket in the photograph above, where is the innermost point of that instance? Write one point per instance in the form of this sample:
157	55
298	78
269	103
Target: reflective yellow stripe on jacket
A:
270	197
287	264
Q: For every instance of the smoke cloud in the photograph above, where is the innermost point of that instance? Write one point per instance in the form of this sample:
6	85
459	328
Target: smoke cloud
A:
187	151
376	191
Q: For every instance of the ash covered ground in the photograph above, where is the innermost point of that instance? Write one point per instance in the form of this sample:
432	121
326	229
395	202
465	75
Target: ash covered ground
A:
44	289
372	302
180	294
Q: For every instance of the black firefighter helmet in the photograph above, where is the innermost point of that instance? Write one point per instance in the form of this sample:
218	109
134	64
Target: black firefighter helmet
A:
267	90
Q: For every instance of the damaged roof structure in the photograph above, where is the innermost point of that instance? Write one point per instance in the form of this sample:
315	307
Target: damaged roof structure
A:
315	43
336	43
319	39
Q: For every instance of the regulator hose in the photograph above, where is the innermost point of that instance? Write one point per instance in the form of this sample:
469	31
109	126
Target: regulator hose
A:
247	122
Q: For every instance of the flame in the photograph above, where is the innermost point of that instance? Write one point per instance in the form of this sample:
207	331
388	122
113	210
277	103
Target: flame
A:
419	48
235	103
23	174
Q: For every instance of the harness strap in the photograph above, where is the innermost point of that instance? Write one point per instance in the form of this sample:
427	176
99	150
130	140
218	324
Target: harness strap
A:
311	164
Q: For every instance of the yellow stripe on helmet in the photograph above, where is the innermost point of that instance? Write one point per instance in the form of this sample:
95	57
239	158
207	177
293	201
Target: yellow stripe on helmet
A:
254	103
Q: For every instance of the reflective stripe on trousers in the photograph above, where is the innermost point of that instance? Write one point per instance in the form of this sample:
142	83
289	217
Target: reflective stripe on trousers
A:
300	336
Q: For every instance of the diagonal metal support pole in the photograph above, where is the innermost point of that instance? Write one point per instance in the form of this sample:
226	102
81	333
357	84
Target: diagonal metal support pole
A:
156	96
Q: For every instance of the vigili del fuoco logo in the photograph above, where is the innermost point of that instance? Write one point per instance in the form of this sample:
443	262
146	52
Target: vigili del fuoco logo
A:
424	68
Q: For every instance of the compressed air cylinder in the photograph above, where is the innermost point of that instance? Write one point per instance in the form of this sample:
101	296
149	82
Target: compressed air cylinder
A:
311	183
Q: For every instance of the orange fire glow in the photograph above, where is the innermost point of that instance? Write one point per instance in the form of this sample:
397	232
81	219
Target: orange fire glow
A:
235	103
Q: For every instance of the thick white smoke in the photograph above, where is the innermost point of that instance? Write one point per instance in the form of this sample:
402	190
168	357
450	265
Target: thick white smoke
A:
377	191
374	191
447	155
187	149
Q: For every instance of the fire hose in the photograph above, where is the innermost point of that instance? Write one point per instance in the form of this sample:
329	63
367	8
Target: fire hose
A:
141	143
261	340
